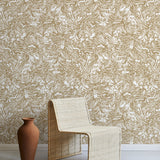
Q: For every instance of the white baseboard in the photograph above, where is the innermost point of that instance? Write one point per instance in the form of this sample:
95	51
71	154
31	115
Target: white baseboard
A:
134	147
128	151
140	147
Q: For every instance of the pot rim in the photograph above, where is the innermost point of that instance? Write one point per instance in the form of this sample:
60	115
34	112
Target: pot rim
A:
28	118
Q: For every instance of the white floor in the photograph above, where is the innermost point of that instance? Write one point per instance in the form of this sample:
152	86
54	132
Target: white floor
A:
128	152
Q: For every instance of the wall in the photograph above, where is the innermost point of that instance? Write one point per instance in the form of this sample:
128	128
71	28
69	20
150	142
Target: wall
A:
105	50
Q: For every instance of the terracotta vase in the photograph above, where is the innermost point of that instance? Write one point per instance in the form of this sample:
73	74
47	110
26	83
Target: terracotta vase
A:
28	136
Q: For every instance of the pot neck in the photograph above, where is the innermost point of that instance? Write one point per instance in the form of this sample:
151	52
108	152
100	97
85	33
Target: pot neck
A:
28	120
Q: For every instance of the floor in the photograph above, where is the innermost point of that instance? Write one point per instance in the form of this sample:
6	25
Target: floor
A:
127	153
11	155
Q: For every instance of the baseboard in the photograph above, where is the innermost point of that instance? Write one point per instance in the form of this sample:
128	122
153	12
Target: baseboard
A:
134	147
124	147
128	151
140	147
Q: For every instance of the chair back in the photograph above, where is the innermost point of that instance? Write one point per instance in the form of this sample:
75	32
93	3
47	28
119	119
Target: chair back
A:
71	113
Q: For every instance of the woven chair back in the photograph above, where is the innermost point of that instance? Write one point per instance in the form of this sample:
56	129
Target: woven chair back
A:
71	113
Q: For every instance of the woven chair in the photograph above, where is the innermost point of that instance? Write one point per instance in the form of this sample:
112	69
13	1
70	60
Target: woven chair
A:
67	120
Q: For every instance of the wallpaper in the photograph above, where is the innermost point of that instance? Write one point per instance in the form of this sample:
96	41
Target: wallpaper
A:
105	50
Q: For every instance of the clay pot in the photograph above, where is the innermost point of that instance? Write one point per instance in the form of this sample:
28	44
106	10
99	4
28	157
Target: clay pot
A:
28	136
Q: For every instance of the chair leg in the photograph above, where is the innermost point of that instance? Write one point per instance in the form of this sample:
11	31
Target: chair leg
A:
104	146
51	132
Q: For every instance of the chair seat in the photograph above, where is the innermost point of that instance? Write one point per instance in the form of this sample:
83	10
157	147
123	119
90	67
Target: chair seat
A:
93	129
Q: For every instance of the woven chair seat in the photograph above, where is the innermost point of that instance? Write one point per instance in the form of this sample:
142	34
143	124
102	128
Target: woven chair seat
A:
67	120
93	129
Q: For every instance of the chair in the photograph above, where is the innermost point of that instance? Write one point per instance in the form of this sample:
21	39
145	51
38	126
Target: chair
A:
67	120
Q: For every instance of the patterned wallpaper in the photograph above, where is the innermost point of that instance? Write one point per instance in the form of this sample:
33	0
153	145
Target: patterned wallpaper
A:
105	50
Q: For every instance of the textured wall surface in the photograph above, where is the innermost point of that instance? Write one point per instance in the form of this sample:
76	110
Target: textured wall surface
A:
105	50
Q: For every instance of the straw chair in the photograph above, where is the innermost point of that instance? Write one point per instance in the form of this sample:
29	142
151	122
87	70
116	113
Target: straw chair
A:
67	120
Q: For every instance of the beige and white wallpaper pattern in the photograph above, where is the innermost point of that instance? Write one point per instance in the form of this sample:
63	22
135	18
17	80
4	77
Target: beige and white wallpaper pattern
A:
105	50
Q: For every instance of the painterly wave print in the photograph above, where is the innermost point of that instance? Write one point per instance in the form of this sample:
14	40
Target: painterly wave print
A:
105	50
